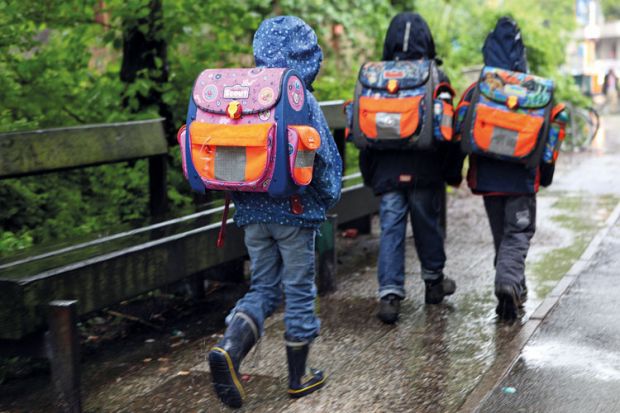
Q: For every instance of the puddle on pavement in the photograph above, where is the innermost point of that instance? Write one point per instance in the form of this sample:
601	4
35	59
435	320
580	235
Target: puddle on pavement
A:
576	219
457	346
577	360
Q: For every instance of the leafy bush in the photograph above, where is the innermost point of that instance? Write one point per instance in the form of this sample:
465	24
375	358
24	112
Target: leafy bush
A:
60	66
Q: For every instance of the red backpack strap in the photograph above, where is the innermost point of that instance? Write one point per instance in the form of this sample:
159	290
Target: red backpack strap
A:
444	87
469	89
220	235
557	109
297	207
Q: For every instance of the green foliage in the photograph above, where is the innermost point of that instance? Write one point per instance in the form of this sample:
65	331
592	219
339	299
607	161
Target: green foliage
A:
60	67
611	9
459	30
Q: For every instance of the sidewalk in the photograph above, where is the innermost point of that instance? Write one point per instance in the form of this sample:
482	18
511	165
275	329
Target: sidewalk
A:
435	359
572	363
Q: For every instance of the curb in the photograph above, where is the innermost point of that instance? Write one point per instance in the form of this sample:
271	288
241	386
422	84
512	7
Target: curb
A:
505	361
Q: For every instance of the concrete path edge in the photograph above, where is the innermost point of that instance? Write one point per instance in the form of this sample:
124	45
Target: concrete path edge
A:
506	360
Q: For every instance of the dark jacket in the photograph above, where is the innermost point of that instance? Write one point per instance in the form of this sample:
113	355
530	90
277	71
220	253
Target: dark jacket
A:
503	48
388	170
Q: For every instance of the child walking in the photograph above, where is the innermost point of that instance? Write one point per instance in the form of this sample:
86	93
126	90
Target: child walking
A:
508	188
280	234
410	182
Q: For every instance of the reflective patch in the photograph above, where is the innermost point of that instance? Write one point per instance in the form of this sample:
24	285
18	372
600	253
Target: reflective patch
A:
503	141
446	120
305	159
523	219
388	125
230	164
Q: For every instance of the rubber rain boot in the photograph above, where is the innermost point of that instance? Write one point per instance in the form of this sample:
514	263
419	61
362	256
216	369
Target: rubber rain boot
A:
301	382
225	359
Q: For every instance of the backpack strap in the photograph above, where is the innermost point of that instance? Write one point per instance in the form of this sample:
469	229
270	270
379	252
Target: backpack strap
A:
557	109
536	157
220	235
297	207
444	87
426	139
466	127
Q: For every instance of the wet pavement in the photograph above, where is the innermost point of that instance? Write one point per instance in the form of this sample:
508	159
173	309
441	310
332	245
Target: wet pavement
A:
572	363
436	358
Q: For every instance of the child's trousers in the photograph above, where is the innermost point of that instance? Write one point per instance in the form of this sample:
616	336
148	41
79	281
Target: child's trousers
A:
282	261
424	206
513	223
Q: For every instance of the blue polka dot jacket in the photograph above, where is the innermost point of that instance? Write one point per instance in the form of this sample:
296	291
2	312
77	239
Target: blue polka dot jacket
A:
287	41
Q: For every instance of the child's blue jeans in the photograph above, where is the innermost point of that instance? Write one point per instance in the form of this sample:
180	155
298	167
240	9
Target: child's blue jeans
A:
424	206
282	261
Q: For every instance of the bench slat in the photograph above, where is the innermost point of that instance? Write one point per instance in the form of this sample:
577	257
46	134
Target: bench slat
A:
334	113
107	278
33	152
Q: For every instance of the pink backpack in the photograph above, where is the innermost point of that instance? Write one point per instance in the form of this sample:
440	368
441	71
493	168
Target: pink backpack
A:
249	130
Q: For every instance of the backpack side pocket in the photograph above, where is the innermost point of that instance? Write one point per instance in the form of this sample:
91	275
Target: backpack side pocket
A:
303	143
181	140
557	133
443	113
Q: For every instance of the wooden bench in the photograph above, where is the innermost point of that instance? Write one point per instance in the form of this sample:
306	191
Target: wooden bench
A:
50	290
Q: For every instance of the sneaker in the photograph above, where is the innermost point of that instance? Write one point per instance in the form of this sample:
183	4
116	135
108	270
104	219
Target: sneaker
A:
389	307
437	289
509	302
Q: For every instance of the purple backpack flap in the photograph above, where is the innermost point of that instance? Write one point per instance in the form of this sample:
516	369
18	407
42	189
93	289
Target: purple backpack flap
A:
249	130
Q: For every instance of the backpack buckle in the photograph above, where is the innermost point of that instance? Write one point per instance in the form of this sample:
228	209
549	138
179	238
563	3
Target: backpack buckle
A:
234	110
392	86
512	102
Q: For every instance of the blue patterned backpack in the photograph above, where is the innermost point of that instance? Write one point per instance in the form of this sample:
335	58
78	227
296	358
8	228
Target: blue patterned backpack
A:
396	106
511	117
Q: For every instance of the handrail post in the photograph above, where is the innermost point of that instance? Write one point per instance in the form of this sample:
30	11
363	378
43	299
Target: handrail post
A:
339	138
326	251
63	353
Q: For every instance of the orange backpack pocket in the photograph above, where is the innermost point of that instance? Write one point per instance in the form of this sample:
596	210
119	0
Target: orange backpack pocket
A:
505	133
304	142
231	153
389	119
446	120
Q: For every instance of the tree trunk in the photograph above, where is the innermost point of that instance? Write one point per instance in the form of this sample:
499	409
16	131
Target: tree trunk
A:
145	55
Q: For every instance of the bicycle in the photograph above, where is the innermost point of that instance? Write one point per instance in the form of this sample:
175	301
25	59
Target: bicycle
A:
583	127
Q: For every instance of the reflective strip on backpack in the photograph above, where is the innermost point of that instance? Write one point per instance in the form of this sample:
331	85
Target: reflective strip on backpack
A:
503	141
388	125
230	163
446	120
305	159
406	38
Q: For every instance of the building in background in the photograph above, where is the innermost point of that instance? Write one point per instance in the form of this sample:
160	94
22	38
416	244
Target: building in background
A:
595	47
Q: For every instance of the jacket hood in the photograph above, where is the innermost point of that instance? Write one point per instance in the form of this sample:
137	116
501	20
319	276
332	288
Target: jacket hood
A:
408	38
503	47
287	41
